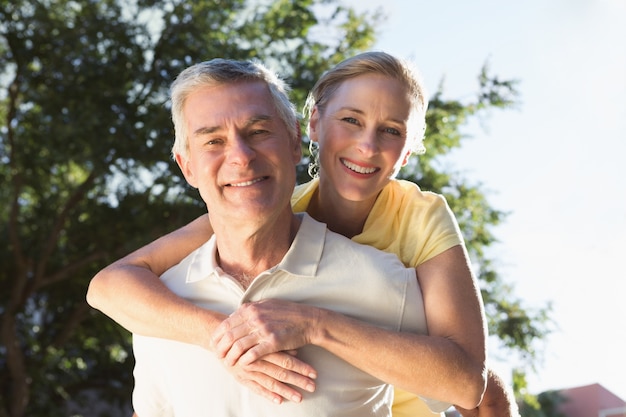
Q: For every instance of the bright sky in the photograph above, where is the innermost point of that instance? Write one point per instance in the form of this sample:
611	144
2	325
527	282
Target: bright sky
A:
557	163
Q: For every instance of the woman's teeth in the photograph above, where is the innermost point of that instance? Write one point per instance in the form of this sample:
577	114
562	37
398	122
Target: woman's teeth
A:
358	168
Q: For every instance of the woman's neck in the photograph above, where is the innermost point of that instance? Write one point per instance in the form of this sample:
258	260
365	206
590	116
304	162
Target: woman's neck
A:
341	216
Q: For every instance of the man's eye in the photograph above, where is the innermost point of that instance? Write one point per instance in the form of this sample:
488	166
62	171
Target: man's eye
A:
213	142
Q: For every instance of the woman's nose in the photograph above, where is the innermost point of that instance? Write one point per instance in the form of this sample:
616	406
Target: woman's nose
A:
367	142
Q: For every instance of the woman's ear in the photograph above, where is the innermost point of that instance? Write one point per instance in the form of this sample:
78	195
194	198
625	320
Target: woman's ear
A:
297	145
313	121
405	160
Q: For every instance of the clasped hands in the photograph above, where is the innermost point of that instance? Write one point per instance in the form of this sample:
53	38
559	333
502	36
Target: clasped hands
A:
259	342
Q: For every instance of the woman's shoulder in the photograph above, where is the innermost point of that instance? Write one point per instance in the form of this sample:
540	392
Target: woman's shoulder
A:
408	193
302	194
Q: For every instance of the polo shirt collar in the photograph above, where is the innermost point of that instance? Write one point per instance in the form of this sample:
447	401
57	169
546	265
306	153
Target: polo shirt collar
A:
302	258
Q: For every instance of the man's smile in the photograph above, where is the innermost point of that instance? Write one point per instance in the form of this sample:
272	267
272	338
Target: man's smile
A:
246	183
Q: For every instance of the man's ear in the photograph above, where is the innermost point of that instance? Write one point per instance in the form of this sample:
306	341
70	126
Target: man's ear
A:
185	167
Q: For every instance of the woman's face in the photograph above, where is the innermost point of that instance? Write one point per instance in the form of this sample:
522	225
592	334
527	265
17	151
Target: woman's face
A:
362	136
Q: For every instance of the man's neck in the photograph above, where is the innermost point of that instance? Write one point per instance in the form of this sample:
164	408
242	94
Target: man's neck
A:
246	250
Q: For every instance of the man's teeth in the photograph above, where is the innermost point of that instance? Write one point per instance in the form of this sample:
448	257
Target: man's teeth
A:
245	184
357	168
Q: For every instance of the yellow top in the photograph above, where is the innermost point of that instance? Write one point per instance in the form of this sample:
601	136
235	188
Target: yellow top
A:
416	226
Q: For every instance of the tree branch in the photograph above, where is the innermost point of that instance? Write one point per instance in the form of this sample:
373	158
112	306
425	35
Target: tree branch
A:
65	273
78	315
53	237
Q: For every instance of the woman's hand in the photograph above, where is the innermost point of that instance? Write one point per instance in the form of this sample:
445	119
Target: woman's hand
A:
274	376
264	327
259	341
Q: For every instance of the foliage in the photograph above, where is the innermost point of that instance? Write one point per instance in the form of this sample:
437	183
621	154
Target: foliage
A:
84	139
545	404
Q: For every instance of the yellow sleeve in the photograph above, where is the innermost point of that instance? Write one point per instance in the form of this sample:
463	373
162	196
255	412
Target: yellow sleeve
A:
413	224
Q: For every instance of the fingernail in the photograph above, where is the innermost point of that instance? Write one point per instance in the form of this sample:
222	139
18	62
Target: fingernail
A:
310	387
296	398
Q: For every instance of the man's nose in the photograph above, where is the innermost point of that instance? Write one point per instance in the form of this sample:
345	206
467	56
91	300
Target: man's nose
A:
240	151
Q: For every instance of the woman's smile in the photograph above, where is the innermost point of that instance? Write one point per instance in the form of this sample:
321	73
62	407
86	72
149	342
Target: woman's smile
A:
360	169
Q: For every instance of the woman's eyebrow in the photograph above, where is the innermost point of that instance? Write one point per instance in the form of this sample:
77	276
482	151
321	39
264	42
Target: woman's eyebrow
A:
352	109
361	112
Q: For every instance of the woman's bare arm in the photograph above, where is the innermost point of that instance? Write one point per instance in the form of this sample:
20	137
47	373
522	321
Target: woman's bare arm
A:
131	293
448	364
498	401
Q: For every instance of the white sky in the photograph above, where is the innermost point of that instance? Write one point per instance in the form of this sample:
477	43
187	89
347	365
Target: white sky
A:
557	163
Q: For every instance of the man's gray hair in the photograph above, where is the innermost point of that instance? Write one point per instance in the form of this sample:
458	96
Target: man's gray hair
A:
221	71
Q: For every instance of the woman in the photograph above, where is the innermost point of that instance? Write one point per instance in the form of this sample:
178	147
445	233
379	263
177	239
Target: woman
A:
367	115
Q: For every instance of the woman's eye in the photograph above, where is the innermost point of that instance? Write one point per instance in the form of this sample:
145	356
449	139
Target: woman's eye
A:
351	120
391	131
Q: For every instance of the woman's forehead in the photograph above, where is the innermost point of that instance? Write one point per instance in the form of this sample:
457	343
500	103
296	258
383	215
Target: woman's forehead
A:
372	93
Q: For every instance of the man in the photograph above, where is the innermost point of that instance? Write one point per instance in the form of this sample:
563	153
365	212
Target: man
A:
237	141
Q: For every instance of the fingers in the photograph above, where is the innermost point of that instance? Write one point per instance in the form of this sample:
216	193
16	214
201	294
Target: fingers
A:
278	377
222	335
274	397
282	381
252	342
288	361
231	331
247	340
277	392
238	337
257	329
242	345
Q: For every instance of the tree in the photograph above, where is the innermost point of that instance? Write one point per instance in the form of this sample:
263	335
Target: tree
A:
84	139
546	404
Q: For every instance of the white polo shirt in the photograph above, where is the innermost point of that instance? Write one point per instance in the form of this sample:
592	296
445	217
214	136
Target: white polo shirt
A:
321	268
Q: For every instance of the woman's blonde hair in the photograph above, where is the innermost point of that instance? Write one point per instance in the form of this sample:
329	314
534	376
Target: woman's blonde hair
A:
373	62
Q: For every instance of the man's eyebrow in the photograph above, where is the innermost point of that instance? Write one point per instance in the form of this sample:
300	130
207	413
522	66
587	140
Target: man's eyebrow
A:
206	130
259	118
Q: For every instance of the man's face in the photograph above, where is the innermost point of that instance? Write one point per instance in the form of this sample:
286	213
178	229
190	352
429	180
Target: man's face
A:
241	156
